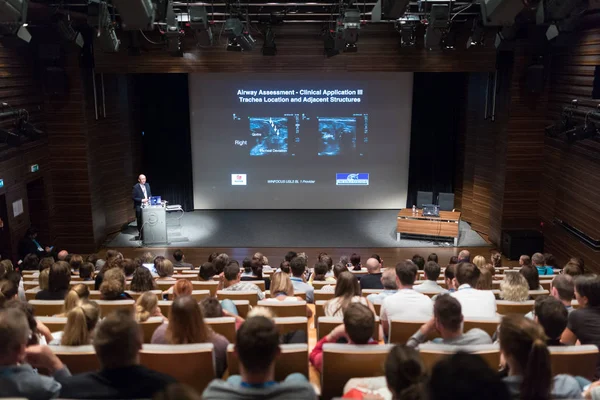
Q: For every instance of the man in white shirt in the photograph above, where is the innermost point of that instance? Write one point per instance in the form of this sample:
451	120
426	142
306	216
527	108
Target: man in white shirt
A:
475	303
407	303
432	273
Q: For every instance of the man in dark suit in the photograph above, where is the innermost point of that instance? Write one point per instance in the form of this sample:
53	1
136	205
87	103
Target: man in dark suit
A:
141	195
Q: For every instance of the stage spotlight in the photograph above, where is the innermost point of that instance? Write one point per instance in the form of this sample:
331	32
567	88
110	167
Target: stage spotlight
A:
581	132
408	34
200	25
394	8
500	12
66	30
449	40
173	32
136	14
107	37
269	47
238	39
477	37
13	12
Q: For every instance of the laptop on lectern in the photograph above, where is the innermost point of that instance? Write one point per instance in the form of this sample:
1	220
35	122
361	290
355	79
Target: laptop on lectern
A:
431	210
155	201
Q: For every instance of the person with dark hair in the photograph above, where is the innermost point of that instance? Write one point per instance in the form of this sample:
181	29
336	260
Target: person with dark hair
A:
532	275
358	328
475	303
59	281
257	347
373	279
584	322
113	286
75	262
419	261
128	267
572	269
523	347
449	274
290	255
453	260
142	280
524	260
448	321
86	271
405	378
406	303
30	245
319	274
247	265
232	281
284	267
220	262
297	268
562	289
496	260
430	285
206	272
539	261
31	262
465	376
433	257
355	261
179	258
45	262
337	270
212	256
117	342
551	261
551	314
329	262
347	291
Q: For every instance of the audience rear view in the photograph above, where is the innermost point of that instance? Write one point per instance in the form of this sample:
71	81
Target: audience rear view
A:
417	291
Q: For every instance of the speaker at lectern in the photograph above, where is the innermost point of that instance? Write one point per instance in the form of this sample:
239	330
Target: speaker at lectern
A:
154	220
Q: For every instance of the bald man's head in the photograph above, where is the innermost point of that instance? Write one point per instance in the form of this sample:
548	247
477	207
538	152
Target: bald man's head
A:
62	255
464	256
142	179
373	265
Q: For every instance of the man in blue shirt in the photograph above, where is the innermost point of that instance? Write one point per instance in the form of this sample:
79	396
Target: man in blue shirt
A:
297	268
539	262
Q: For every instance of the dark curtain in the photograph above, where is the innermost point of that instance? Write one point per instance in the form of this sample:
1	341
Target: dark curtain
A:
164	120
438	109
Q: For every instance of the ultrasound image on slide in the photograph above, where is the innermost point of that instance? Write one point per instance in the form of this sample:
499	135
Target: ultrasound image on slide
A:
270	135
337	136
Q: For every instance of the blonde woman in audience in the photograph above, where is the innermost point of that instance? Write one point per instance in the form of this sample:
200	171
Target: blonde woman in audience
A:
75	295
113	285
282	289
146	306
43	279
79	329
486	277
164	269
186	325
479	261
182	287
523	347
347	291
514	287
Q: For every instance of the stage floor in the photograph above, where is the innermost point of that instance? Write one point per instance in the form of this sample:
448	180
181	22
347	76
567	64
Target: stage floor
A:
290	228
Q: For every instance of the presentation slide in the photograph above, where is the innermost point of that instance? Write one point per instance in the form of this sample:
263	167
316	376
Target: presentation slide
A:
307	141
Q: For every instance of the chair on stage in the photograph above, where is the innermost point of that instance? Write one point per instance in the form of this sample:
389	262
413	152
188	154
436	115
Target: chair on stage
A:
446	201
424	198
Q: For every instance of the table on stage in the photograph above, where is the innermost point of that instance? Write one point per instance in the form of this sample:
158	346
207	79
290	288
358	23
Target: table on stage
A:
446	225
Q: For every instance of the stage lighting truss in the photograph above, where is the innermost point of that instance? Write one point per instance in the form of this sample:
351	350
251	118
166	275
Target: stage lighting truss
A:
408	32
477	37
173	32
13	22
238	38
99	17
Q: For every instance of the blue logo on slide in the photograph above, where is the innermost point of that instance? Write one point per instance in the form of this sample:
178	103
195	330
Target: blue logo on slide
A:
348	179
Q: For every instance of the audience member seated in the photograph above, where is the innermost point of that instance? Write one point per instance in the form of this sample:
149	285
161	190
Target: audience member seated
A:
448	321
231	281
255	272
407	303
86	272
182	287
117	342
320	272
496	260
292	337
523	347
539	261
283	290
45	262
75	263
532	276
552	315
449	274
550	261
290	255
573	270
62	255
79	329
373	279
220	262
405	378
128	266
206	272
284	267
418	261
43	279
113	285
514	287
75	295
186	325
264	261
247	265
524	260
355	262
142	280
146	306
358	328
257	347
479	261
164	269
30	245
430	285
347	291
486	277
59	279
325	258
298	268
40	334
179	258
463	256
433	257
563	288
16	278
453	260
466	376
17	376
110	263
390	287
475	303
212	308
337	270
8	291
31	262
584	322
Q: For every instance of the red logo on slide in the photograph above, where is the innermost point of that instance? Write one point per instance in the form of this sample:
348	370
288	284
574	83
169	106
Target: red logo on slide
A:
239	177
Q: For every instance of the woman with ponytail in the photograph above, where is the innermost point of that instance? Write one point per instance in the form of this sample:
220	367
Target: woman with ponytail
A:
523	347
79	329
8	291
78	293
146	306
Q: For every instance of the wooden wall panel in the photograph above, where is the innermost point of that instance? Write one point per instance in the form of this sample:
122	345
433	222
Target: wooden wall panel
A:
570	188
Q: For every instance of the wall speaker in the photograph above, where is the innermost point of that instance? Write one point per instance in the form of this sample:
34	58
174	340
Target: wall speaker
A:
515	243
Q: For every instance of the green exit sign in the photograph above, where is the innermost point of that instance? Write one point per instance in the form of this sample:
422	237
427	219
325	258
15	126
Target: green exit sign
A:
35	168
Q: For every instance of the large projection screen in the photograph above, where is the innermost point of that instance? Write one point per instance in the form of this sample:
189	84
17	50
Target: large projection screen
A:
305	141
